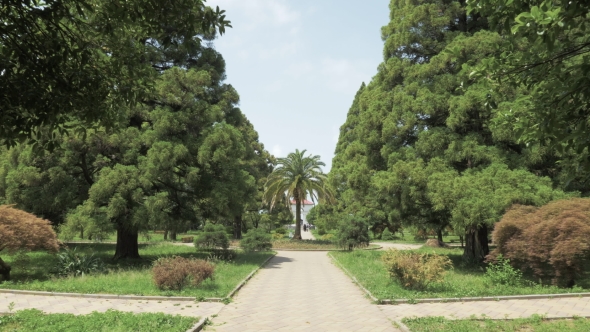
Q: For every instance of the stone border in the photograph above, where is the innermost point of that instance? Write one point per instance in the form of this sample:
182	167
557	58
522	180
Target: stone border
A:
199	325
374	299
248	277
139	297
456	299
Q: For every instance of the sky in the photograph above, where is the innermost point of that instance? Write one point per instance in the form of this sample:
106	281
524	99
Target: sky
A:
297	65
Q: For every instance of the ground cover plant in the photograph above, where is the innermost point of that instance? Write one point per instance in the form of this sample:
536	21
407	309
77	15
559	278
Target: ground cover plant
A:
175	273
256	240
132	276
111	321
462	281
535	323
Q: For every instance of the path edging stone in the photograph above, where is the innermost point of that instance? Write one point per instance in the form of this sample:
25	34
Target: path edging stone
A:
456	299
373	298
199	325
249	276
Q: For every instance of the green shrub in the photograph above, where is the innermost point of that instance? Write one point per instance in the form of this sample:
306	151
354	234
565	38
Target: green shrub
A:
281	230
321	230
256	240
174	273
414	270
278	236
501	272
327	237
387	235
72	263
225	255
212	236
352	232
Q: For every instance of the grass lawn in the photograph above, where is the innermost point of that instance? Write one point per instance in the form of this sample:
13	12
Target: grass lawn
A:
462	281
130	277
536	323
111	321
144	237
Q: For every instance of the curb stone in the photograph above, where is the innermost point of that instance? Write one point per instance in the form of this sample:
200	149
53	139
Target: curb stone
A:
374	299
456	299
248	277
199	325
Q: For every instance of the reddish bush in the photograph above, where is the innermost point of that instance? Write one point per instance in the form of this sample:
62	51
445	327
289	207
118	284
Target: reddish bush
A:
187	239
20	230
552	241
174	273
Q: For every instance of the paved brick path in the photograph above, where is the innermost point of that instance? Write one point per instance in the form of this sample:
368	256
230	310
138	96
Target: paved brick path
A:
302	290
298	291
552	308
82	306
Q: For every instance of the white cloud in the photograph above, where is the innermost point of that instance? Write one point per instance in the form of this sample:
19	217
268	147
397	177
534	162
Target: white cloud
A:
276	150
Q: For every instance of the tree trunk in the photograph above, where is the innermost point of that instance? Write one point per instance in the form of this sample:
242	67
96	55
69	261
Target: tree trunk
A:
238	227
127	243
439	235
82	233
166	235
297	235
4	271
476	244
172	235
461	239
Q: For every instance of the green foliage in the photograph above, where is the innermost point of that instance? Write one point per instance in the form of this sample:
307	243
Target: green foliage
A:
256	240
501	272
281	230
480	324
111	320
353	232
414	270
545	51
85	44
212	236
175	273
387	235
72	263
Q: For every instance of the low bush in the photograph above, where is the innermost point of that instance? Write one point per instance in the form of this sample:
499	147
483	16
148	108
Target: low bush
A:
256	240
281	230
226	255
415	270
550	241
174	273
327	237
73	263
501	272
352	232
188	239
321	230
278	236
212	236
387	235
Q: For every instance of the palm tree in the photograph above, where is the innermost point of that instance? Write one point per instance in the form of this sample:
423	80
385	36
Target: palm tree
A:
296	177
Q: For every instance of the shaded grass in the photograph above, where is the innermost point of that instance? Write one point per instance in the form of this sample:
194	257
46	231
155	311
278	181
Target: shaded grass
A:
462	281
535	323
150	237
131	277
111	321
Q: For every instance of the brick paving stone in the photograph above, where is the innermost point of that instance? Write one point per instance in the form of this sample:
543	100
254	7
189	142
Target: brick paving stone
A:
299	290
79	305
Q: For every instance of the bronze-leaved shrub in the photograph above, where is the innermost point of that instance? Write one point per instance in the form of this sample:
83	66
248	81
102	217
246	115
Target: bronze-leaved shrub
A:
175	273
414	270
550	241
